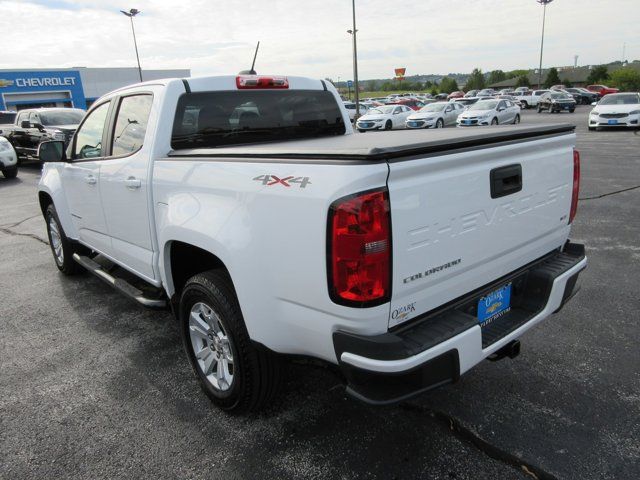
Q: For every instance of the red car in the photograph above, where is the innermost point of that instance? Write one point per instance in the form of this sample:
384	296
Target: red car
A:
602	90
458	94
412	103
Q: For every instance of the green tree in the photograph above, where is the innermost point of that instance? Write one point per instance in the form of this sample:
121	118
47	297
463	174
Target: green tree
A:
428	84
626	79
552	78
387	86
475	80
496	76
448	85
567	83
434	90
517	73
523	81
598	74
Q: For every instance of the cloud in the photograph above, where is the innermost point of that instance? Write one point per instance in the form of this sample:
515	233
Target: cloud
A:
310	38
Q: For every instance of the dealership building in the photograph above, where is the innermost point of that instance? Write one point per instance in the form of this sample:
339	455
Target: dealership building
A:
69	87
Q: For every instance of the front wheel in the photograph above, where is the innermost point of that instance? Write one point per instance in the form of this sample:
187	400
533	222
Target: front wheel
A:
525	105
61	247
516	120
572	110
494	121
440	123
10	172
539	109
388	125
236	375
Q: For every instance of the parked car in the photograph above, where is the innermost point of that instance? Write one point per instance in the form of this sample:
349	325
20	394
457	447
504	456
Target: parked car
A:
490	112
351	109
435	115
319	248
583	96
616	110
412	103
531	100
458	94
511	98
487	92
33	126
557	87
7	117
471	93
522	89
387	117
506	91
466	101
602	90
441	96
8	159
556	102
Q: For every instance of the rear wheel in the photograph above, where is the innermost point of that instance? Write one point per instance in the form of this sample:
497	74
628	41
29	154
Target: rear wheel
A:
61	247
10	172
525	105
388	125
494	121
439	123
236	375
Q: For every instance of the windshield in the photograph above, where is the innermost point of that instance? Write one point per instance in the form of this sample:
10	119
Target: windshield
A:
215	119
434	107
561	96
625	99
70	116
484	105
383	110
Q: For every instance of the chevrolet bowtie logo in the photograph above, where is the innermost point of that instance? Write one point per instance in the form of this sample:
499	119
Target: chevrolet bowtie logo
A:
5	83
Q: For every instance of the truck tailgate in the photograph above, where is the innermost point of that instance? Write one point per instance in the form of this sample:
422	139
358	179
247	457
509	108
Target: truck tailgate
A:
454	233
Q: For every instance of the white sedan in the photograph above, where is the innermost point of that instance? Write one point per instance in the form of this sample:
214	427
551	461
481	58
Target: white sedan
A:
616	110
490	112
8	159
435	115
385	117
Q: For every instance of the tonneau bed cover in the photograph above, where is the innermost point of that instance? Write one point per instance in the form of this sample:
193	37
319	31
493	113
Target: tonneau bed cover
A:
382	147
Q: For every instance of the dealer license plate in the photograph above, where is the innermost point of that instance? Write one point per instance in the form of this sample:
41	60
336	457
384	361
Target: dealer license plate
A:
467	122
494	305
612	122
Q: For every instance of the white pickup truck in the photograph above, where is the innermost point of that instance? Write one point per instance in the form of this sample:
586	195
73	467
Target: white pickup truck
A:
530	99
248	205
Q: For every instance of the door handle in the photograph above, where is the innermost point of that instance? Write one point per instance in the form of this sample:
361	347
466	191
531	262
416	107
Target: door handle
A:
133	183
90	179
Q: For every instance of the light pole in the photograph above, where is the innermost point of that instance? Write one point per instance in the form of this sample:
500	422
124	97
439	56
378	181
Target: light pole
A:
544	14
356	88
132	13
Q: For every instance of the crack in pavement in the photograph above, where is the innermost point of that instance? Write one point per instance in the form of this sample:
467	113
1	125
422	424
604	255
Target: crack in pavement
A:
18	234
468	436
610	193
12	225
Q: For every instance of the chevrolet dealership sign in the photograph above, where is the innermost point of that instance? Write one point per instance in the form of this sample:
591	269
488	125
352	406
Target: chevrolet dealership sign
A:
45	82
63	86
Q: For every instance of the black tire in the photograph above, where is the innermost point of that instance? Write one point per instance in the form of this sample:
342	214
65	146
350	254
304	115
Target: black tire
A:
516	120
257	372
388	125
539	109
525	105
361	131
494	121
572	110
10	172
592	129
65	262
439	123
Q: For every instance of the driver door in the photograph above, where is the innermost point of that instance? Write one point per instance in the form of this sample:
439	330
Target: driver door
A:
80	179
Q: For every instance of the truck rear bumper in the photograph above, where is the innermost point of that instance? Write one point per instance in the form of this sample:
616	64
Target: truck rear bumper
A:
438	347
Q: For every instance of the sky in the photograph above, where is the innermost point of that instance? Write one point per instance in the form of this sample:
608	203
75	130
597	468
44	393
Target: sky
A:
309	37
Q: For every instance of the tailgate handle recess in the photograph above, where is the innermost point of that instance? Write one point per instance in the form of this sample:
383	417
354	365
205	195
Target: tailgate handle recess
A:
506	180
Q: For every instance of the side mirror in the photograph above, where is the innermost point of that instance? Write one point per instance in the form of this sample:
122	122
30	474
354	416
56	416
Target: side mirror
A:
52	151
37	125
25	124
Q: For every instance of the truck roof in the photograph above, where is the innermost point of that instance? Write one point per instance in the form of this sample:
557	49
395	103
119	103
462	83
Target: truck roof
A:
391	145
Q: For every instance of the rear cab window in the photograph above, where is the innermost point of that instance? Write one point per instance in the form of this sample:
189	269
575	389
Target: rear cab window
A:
221	118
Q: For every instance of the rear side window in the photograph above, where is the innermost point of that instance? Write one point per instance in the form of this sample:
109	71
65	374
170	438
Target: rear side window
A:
215	119
131	124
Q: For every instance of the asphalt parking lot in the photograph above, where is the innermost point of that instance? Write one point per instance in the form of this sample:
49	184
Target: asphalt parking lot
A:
94	386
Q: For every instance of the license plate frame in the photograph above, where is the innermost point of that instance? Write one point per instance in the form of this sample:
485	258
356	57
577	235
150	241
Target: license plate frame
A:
494	305
612	122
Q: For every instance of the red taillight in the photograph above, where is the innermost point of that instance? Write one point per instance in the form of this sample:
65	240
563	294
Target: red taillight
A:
359	249
257	82
576	185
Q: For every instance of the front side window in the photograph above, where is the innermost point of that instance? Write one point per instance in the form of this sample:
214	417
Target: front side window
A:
131	124
89	137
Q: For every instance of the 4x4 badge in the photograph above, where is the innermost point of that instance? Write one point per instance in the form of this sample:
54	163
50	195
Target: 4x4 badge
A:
271	180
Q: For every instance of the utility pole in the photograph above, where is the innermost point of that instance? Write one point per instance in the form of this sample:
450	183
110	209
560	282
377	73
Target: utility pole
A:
356	87
132	13
544	14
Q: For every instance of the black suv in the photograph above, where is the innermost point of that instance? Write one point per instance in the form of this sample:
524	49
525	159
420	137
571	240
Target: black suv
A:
556	102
